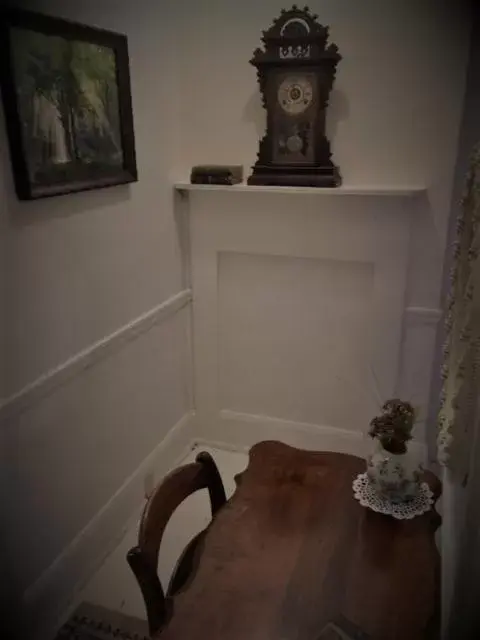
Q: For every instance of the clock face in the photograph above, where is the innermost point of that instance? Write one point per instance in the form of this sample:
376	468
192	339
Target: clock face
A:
295	94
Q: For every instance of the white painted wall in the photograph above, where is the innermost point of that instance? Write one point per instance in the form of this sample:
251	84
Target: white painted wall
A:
395	108
393	120
77	269
83	265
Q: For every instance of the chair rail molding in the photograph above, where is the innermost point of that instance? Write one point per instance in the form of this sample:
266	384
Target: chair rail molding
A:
46	383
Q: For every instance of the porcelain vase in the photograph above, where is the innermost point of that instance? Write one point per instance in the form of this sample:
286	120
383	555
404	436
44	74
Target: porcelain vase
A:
394	476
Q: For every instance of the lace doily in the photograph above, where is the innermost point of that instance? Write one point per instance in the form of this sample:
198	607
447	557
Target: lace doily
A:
368	497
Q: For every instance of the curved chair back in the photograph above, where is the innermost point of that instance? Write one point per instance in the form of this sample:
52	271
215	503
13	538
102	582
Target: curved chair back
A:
166	497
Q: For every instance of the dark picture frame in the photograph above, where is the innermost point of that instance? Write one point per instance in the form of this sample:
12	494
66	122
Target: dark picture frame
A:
67	102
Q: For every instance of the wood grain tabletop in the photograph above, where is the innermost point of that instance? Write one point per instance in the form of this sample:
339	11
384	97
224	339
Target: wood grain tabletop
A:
293	550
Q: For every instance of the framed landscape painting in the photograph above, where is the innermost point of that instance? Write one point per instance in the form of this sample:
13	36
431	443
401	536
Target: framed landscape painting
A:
67	103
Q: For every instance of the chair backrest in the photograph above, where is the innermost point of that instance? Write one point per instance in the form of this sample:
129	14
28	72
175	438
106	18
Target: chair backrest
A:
166	497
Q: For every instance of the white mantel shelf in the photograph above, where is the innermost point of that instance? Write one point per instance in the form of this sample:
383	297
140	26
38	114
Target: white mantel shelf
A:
344	190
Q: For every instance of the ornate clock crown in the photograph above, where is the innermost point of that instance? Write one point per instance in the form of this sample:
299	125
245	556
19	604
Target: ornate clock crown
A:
296	35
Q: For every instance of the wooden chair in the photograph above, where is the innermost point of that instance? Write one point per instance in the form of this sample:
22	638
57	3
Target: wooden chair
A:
143	559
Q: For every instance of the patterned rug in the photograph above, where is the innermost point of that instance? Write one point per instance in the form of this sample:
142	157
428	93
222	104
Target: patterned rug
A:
90	622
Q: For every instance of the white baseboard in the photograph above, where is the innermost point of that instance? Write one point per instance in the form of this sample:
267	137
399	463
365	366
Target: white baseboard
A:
240	431
47	600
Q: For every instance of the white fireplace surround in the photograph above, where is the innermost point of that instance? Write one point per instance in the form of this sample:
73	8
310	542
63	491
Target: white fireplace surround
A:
300	328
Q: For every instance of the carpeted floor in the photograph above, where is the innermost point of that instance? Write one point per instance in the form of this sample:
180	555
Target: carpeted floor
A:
90	622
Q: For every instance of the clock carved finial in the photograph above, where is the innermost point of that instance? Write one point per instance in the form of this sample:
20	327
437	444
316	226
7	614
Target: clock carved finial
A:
295	69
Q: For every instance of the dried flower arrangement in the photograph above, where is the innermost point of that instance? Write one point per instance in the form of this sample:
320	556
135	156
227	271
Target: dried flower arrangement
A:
394	426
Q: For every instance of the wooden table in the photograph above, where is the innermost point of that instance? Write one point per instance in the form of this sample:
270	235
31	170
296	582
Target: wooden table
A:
292	550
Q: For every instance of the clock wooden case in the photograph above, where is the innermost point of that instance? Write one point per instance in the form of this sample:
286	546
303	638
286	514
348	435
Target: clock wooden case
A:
295	70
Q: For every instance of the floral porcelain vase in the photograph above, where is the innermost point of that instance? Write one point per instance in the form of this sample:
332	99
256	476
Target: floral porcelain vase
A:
394	476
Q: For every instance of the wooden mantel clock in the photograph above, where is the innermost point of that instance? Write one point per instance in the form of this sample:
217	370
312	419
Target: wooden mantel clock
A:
295	72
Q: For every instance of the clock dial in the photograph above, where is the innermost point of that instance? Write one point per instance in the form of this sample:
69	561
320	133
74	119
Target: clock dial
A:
295	94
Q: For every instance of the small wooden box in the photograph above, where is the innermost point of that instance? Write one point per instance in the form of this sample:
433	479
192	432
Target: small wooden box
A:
216	174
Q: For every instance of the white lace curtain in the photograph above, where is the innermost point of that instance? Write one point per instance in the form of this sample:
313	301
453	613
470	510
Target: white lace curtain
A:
461	351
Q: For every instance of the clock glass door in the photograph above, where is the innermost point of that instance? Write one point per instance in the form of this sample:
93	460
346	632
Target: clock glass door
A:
293	117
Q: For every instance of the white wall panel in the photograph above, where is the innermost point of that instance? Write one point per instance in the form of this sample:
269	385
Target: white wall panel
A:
299	303
294	338
83	265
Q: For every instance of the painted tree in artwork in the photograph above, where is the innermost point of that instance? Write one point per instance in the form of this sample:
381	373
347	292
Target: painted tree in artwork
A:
68	99
94	70
39	66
